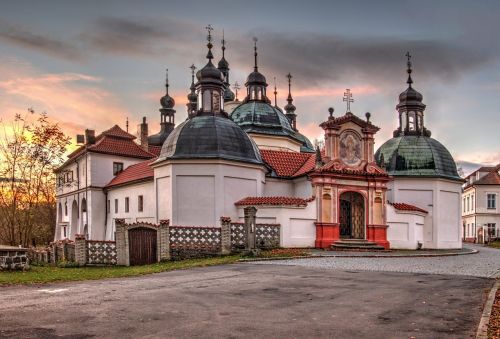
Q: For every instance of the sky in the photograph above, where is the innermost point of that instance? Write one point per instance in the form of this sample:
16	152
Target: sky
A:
93	64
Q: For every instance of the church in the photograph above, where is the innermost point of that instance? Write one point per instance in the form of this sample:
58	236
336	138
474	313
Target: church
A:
229	154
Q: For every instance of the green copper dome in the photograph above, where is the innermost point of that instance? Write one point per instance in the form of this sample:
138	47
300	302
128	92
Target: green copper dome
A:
416	156
262	118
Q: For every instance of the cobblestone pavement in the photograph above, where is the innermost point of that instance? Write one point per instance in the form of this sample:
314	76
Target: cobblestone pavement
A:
486	263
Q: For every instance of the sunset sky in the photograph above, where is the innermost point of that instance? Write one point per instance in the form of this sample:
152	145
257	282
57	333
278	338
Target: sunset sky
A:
92	64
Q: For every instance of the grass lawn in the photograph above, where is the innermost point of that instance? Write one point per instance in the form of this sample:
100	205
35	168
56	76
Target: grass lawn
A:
495	244
46	274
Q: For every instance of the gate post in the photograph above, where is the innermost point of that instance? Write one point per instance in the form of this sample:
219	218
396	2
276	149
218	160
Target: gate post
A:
122	251
164	243
250	214
80	250
225	234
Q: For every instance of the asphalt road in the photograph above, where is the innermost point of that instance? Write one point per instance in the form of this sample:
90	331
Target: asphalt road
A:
249	300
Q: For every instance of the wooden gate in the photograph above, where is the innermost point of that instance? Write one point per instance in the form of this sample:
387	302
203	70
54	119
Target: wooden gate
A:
142	246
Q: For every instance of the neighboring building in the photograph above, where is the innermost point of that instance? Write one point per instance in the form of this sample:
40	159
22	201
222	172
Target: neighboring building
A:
220	160
480	210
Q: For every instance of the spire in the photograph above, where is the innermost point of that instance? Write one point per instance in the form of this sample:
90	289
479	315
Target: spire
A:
255	68
166	81
290	107
223	45
408	69
275	94
210	56
319	161
236	88
192	96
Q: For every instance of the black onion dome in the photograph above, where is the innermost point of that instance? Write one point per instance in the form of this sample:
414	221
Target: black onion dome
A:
228	94
223	64
167	101
210	73
416	156
210	137
410	97
256	78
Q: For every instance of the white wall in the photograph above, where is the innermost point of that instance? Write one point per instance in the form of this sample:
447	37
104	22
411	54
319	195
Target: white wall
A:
276	143
442	199
278	188
203	191
132	191
297	223
406	229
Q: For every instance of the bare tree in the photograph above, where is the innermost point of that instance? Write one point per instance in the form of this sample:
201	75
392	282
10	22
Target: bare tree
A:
31	148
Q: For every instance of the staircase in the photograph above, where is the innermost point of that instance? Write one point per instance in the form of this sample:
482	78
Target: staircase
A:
355	245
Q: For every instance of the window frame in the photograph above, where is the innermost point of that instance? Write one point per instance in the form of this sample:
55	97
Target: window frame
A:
127	204
493	201
116	206
117	167
140	203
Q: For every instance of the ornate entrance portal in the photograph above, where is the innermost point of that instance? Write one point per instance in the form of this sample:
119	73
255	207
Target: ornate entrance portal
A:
352	216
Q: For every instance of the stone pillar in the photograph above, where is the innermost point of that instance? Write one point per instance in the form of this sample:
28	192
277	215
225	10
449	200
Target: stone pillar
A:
122	255
250	227
225	233
54	258
80	250
164	243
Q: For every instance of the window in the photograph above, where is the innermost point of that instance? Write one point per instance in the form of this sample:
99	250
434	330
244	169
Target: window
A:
117	167
207	101
66	208
468	204
140	203
216	102
473	230
64	232
411	121
491	230
126	204
108	206
116	205
472	203
491	200
463	205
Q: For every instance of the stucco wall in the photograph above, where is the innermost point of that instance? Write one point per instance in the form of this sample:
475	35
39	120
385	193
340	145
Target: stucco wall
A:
441	198
405	229
297	223
276	143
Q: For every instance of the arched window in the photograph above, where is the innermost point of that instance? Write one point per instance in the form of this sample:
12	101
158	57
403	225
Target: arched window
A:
199	99
419	121
403	121
411	121
259	93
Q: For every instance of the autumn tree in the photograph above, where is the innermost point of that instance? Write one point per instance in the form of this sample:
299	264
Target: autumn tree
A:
31	148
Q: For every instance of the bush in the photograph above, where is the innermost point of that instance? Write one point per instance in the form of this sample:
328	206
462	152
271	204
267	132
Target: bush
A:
67	264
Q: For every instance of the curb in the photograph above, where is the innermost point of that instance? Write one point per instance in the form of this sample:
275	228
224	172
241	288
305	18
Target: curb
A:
360	256
482	329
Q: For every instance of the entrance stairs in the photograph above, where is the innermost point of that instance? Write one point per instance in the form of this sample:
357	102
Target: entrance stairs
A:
356	245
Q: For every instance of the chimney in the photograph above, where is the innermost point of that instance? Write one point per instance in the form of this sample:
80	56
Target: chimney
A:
90	136
144	135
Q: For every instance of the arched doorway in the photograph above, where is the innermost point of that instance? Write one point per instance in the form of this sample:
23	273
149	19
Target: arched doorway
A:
83	217
352	215
74	219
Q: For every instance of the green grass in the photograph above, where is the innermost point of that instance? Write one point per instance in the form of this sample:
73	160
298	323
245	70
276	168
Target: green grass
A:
46	274
495	244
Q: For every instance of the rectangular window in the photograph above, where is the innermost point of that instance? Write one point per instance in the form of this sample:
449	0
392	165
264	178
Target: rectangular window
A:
468	204
463	205
472	203
117	167
108	206
64	232
492	200
126	204
66	208
491	230
140	203
116	205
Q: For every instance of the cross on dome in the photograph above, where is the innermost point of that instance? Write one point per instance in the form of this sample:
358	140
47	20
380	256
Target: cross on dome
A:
348	99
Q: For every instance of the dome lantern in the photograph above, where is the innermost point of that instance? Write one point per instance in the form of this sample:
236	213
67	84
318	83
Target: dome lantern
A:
256	82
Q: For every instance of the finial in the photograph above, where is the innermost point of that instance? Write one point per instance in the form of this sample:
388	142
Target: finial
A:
236	87
255	68
275	94
330	111
166	80
209	29
223	41
192	67
368	115
126	124
409	68
289	76
348	99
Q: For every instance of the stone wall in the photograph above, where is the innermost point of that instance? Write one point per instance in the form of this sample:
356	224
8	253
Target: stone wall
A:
12	258
194	242
101	252
267	236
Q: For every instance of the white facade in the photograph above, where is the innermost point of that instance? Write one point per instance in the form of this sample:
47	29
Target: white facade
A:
441	198
406	228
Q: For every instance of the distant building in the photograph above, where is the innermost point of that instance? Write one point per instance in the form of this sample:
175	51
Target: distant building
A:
480	210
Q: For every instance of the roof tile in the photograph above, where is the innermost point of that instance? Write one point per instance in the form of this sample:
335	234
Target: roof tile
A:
407	207
273	201
133	173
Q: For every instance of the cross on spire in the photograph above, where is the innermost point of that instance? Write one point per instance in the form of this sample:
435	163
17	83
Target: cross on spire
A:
209	29
409	68
236	87
223	41
275	94
192	67
348	99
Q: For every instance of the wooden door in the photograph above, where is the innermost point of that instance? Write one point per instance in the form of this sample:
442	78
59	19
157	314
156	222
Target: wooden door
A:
142	246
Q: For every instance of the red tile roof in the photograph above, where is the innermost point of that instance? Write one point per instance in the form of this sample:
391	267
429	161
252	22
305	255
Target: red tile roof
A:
492	178
155	150
114	141
289	164
407	207
273	201
133	173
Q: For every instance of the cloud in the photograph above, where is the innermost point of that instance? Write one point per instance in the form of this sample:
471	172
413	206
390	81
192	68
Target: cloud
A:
76	101
144	37
20	36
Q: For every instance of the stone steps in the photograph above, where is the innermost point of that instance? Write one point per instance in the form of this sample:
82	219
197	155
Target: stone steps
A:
356	245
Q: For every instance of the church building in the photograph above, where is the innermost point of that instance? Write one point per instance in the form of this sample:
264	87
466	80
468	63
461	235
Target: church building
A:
229	154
